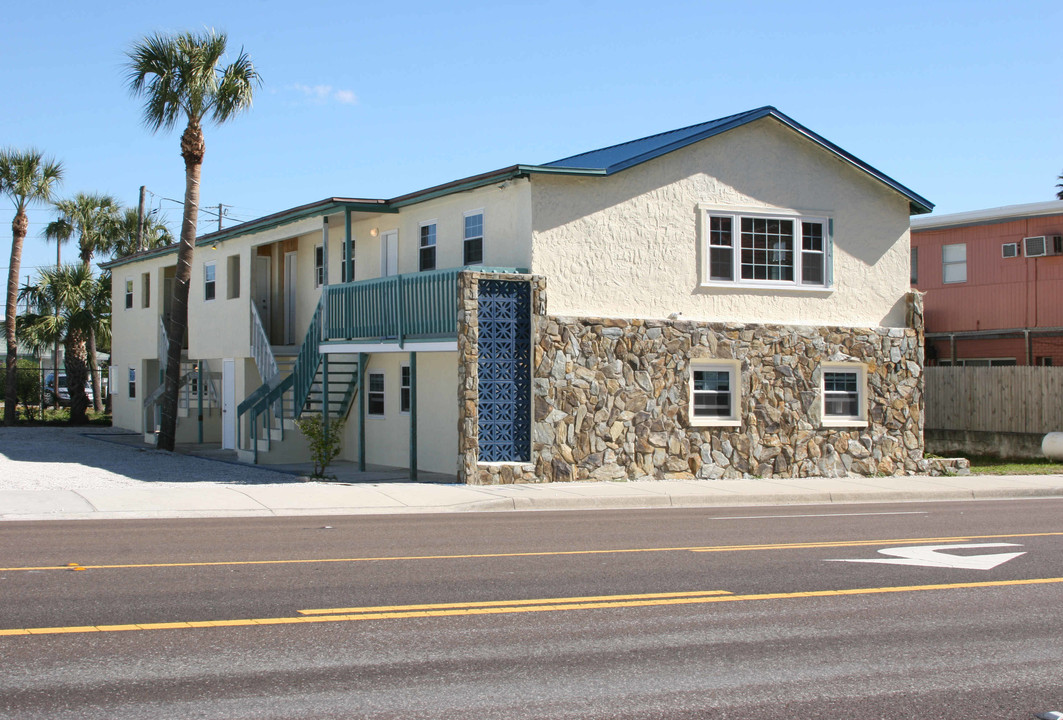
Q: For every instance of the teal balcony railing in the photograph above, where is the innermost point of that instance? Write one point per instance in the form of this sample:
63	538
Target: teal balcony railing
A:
398	308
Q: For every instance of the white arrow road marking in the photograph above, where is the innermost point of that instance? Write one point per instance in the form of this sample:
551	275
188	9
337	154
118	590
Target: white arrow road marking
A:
931	556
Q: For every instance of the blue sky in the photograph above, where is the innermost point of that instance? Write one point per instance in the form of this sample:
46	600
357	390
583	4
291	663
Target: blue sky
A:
959	101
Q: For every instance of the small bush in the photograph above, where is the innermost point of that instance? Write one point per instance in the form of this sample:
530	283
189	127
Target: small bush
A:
324	446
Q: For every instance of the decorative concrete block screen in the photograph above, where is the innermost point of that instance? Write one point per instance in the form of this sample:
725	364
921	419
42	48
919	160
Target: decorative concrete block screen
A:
503	368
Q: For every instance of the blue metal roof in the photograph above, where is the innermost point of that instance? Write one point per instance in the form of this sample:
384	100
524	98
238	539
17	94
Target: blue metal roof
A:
615	158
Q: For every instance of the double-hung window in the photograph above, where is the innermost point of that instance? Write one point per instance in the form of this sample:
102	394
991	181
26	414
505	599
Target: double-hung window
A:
319	266
405	388
714	392
473	239
129	293
209	281
374	397
954	263
753	249
844	388
347	255
427	257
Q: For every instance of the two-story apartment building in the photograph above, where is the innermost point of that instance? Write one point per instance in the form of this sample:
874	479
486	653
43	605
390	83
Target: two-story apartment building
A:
726	299
993	281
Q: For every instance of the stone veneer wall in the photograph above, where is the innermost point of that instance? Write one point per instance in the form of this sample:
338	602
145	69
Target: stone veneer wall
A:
611	398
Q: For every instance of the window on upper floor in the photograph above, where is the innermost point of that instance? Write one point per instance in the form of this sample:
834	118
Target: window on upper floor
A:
915	266
209	281
954	263
319	266
145	290
427	252
128	293
714	392
754	249
844	388
473	243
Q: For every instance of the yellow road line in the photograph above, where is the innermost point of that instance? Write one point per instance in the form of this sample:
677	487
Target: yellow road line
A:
550	553
513	603
543	605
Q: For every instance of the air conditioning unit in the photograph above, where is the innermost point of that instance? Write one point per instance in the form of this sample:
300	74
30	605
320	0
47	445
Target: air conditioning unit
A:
1009	250
1042	245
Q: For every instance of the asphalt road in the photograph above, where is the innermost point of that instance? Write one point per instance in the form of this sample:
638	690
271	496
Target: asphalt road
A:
702	613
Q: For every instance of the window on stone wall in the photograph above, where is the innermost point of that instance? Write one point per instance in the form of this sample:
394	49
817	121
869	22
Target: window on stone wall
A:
755	250
844	392
715	392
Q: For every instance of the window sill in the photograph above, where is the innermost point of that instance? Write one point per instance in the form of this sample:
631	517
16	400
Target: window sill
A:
789	287
715	422
844	423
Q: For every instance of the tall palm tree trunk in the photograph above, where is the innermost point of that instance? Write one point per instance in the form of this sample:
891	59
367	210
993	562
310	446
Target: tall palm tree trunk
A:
94	373
192	150
18	235
76	375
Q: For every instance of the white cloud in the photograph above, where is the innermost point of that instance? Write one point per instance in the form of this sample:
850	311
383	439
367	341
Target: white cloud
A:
321	94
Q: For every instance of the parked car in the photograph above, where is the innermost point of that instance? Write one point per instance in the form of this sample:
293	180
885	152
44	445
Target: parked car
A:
63	392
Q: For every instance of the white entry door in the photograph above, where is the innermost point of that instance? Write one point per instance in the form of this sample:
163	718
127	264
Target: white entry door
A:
289	298
228	403
389	253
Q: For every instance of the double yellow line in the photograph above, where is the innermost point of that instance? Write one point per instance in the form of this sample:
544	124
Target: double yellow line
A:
594	602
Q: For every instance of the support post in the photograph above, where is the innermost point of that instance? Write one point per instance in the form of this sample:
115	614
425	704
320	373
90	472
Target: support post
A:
1029	346
199	398
363	360
324	392
413	417
952	349
348	248
324	278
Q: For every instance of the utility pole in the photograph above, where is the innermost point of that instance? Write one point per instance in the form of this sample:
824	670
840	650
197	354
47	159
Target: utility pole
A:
220	206
140	220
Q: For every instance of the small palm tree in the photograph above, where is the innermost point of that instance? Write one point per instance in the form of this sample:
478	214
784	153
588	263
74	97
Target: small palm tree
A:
1059	195
181	77
26	177
96	220
155	234
67	306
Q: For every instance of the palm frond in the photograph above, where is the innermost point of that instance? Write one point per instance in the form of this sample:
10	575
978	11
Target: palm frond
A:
28	177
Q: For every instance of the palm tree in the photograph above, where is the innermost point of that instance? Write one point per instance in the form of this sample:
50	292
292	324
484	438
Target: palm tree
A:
180	76
69	304
1059	195
26	177
155	234
96	220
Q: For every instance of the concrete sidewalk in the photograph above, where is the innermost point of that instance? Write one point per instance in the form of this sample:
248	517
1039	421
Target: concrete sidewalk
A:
320	498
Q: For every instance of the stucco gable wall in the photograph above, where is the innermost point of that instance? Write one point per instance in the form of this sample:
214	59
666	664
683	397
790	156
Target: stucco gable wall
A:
628	245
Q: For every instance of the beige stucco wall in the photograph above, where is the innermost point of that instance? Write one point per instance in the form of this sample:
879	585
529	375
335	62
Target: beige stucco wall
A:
628	245
507	227
387	439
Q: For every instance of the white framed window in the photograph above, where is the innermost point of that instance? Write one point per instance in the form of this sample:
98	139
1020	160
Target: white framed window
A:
132	383
347	251
129	293
209	281
715	392
375	394
844	394
319	266
404	389
752	248
472	249
954	263
427	252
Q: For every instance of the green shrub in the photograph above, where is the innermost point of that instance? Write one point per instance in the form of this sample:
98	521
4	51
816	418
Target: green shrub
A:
28	386
324	446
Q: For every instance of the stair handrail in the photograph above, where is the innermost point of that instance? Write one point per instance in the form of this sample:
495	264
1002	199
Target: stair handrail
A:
265	360
308	360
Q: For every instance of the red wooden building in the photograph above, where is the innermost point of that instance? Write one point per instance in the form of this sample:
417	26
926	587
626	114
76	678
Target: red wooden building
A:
994	285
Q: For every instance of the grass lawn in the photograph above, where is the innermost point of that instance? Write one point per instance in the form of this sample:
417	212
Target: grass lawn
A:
59	417
984	465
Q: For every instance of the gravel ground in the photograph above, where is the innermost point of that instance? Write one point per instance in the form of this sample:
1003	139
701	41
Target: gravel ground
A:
50	458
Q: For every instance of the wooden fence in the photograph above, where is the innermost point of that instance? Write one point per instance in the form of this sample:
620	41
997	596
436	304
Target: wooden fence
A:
1021	399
